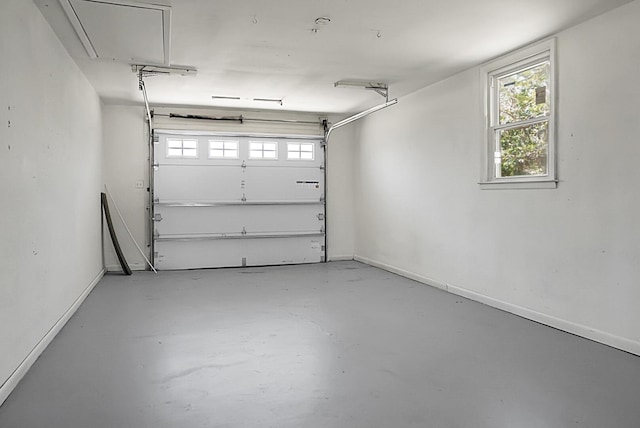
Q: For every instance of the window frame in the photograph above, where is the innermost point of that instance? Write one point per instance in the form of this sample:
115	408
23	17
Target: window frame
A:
182	148
275	143
300	151
224	149
490	73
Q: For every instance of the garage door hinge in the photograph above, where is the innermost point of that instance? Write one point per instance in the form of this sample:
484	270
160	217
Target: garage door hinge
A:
156	166
243	166
320	216
323	143
322	167
156	138
244	198
322	198
244	231
157	217
156	200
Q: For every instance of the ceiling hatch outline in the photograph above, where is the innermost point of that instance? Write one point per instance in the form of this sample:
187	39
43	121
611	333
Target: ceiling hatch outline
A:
105	27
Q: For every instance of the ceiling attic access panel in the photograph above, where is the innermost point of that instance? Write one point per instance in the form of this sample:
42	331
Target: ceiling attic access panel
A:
122	30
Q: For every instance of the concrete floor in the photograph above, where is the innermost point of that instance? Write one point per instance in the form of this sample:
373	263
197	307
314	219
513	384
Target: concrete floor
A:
328	345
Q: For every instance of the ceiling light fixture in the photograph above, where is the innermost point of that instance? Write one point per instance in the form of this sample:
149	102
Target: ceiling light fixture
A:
269	100
222	97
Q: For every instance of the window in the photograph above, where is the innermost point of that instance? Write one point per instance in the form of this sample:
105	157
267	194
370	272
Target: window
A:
263	150
182	148
300	151
223	149
520	119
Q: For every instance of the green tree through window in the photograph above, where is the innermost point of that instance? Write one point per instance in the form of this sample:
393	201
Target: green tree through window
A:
523	128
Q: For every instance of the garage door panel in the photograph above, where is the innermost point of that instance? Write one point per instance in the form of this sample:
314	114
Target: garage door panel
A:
197	254
194	254
292	251
198	183
278	184
178	220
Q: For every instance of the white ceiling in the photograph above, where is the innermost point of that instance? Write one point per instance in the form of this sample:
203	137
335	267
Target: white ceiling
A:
274	49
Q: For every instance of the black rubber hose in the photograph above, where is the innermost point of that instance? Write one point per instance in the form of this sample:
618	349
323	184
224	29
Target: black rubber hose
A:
123	262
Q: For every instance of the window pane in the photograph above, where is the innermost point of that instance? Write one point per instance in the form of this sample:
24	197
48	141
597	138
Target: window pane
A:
189	144
300	151
524	94
263	150
223	149
174	152
231	145
524	150
189	153
174	144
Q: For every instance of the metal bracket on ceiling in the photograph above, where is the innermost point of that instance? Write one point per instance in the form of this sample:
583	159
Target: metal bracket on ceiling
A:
148	70
379	88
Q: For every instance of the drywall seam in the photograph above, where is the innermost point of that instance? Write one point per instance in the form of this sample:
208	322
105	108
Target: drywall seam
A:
31	358
586	332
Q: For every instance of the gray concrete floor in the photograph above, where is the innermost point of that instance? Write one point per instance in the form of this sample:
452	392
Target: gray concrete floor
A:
328	345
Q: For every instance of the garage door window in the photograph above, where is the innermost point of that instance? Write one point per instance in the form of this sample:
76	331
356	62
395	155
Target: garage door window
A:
300	151
223	149
263	150
184	149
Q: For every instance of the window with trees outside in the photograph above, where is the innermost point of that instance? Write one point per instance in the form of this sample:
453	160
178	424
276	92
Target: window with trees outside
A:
520	119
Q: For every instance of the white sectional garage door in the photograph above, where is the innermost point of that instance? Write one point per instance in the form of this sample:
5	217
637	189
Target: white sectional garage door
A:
223	200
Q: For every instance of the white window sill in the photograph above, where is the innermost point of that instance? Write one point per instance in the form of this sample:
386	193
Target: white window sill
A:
529	184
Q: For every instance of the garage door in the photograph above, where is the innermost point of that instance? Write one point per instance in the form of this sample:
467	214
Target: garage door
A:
223	200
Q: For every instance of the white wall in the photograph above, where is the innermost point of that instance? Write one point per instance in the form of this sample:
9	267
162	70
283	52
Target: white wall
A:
50	170
569	257
125	162
125	152
340	190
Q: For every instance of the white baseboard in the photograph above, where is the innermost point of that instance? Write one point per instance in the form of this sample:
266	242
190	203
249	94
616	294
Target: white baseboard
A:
402	272
31	358
341	258
614	341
